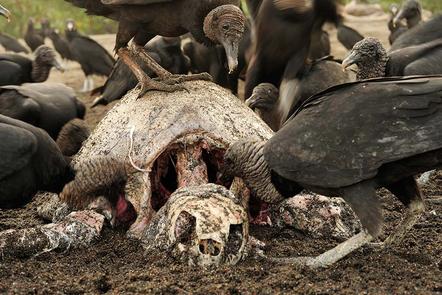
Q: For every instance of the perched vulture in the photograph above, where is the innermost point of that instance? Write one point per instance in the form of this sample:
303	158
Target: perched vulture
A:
30	162
209	21
315	77
92	57
33	38
60	44
422	33
45	105
396	28
16	69
213	60
9	43
411	11
373	61
349	141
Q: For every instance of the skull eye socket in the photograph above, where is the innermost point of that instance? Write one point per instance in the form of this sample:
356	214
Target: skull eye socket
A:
185	227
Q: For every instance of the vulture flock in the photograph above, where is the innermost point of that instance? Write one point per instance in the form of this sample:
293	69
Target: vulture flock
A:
343	128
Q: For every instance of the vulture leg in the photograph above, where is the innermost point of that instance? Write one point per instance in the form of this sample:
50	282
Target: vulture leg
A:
85	85
145	81
331	256
362	199
163	75
90	84
408	192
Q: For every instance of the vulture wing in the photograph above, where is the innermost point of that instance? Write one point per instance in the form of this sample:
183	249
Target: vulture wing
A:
343	135
17	147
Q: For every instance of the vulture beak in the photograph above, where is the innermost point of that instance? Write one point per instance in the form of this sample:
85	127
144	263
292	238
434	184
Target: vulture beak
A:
351	59
257	101
56	64
231	49
398	17
252	101
6	13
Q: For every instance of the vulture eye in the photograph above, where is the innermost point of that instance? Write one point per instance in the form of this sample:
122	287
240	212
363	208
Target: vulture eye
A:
225	27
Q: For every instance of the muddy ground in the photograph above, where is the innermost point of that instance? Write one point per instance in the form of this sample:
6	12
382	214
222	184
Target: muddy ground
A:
115	264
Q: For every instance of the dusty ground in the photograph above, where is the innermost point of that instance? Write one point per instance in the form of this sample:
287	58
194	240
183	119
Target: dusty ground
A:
116	265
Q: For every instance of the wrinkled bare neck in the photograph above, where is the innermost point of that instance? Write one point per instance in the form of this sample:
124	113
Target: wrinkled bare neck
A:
413	21
40	71
254	171
373	69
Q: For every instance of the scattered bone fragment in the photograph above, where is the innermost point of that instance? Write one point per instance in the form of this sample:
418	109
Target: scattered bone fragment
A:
78	229
317	216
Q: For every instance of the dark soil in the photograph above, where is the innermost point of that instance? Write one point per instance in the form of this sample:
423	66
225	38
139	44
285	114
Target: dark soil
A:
115	264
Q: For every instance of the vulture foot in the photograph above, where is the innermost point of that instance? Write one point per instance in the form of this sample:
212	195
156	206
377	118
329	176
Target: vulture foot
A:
147	84
177	79
413	214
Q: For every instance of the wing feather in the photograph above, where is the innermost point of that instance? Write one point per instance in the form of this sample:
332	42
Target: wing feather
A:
343	135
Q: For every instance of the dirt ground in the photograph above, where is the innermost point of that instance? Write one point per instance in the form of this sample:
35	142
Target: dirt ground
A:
115	264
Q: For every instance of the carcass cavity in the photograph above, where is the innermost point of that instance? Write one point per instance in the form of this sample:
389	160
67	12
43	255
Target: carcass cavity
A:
184	165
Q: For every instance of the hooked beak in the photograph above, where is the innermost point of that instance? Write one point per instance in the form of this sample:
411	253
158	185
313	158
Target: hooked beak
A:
6	13
398	17
252	101
231	49
256	101
351	59
56	64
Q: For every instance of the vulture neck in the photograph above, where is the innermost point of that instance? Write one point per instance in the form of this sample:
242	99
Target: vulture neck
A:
413	21
253	169
40	71
375	69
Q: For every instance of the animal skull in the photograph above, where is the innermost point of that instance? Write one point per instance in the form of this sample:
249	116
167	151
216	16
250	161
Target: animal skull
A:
205	225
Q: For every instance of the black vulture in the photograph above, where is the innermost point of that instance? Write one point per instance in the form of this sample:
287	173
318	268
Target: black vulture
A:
60	44
45	105
422	33
45	28
315	77
93	58
347	142
264	101
209	21
373	61
411	11
32	37
16	69
396	29
282	36
9	43
166	51
213	60
4	12
30	162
